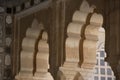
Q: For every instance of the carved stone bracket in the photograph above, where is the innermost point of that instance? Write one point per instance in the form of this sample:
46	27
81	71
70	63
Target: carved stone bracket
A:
81	44
35	55
42	59
90	41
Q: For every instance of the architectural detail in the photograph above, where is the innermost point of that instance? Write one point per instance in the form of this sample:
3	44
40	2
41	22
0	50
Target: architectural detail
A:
5	48
29	44
42	59
79	38
1	66
35	55
81	44
8	19
1	9
8	41
7	60
90	42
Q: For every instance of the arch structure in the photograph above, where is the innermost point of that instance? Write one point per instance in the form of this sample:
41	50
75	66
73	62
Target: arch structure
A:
81	44
34	59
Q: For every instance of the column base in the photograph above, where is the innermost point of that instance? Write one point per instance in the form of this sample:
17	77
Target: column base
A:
75	73
24	76
37	76
43	76
68	74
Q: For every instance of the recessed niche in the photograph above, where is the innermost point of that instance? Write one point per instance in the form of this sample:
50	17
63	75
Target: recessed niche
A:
2	9
1	59
22	6
32	2
14	9
7	49
8	30
1	49
1	27
7	73
42	0
1	33
9	10
7	60
8	41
